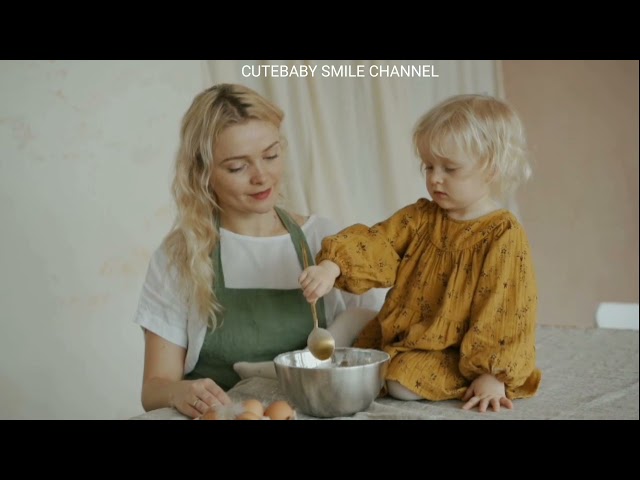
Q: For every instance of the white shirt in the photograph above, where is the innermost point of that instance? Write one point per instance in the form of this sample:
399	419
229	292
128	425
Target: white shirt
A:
247	262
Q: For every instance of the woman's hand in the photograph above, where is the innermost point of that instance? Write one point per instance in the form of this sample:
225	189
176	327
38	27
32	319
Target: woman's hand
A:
486	390
317	280
195	397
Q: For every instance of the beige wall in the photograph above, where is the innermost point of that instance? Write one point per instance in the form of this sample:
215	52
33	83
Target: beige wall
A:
581	206
85	156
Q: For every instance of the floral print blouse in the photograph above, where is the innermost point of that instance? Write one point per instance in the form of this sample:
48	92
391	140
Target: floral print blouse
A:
464	285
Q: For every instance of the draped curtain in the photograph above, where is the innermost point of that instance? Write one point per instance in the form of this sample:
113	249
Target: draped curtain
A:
350	155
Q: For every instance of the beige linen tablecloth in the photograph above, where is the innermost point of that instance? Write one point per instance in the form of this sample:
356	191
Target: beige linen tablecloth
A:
589	374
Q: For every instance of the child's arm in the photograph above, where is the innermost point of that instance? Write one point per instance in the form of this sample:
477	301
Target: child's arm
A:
368	257
501	336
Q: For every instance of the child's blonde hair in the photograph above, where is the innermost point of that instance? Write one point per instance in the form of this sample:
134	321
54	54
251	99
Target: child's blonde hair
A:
484	128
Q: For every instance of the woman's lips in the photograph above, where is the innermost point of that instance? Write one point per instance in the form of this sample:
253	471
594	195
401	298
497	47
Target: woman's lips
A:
262	195
439	194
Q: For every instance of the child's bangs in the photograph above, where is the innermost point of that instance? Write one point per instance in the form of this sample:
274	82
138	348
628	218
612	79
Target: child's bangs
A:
444	138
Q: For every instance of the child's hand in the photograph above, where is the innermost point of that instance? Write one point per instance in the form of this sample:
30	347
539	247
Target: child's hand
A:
484	391
317	280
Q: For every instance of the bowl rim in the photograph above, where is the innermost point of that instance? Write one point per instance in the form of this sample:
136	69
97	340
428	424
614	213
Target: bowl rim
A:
277	360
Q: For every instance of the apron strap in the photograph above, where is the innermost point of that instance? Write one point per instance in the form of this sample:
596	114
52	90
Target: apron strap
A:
297	237
292	227
300	242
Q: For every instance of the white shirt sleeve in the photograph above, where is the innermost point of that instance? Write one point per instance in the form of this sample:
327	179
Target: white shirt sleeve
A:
161	308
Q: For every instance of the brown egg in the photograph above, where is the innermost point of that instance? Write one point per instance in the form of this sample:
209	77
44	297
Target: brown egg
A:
254	406
211	414
248	416
280	410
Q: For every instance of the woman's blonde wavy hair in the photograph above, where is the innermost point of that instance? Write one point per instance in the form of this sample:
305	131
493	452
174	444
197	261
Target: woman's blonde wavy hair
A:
194	235
484	128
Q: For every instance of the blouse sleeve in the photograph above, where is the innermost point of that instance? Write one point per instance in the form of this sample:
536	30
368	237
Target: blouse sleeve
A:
501	336
368	257
161	309
373	299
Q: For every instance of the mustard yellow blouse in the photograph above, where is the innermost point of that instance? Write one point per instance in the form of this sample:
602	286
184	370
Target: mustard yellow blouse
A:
463	301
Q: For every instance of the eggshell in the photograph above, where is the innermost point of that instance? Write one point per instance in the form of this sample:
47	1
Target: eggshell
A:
280	410
211	414
254	406
248	416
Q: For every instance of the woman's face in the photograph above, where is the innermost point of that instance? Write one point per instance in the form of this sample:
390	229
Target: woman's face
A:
247	168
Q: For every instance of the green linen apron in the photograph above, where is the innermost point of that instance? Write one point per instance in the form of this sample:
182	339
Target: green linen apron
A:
257	324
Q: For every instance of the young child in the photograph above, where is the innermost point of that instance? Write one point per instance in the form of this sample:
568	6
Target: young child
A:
460	318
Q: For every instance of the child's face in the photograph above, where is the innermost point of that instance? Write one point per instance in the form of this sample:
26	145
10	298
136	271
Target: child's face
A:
458	185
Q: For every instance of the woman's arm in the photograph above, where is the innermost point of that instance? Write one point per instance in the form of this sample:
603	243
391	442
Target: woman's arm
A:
163	386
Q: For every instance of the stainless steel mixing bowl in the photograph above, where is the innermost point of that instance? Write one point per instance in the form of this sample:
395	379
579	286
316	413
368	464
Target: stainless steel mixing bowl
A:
343	385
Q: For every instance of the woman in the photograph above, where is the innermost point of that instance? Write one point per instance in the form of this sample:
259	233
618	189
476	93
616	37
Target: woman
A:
222	290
